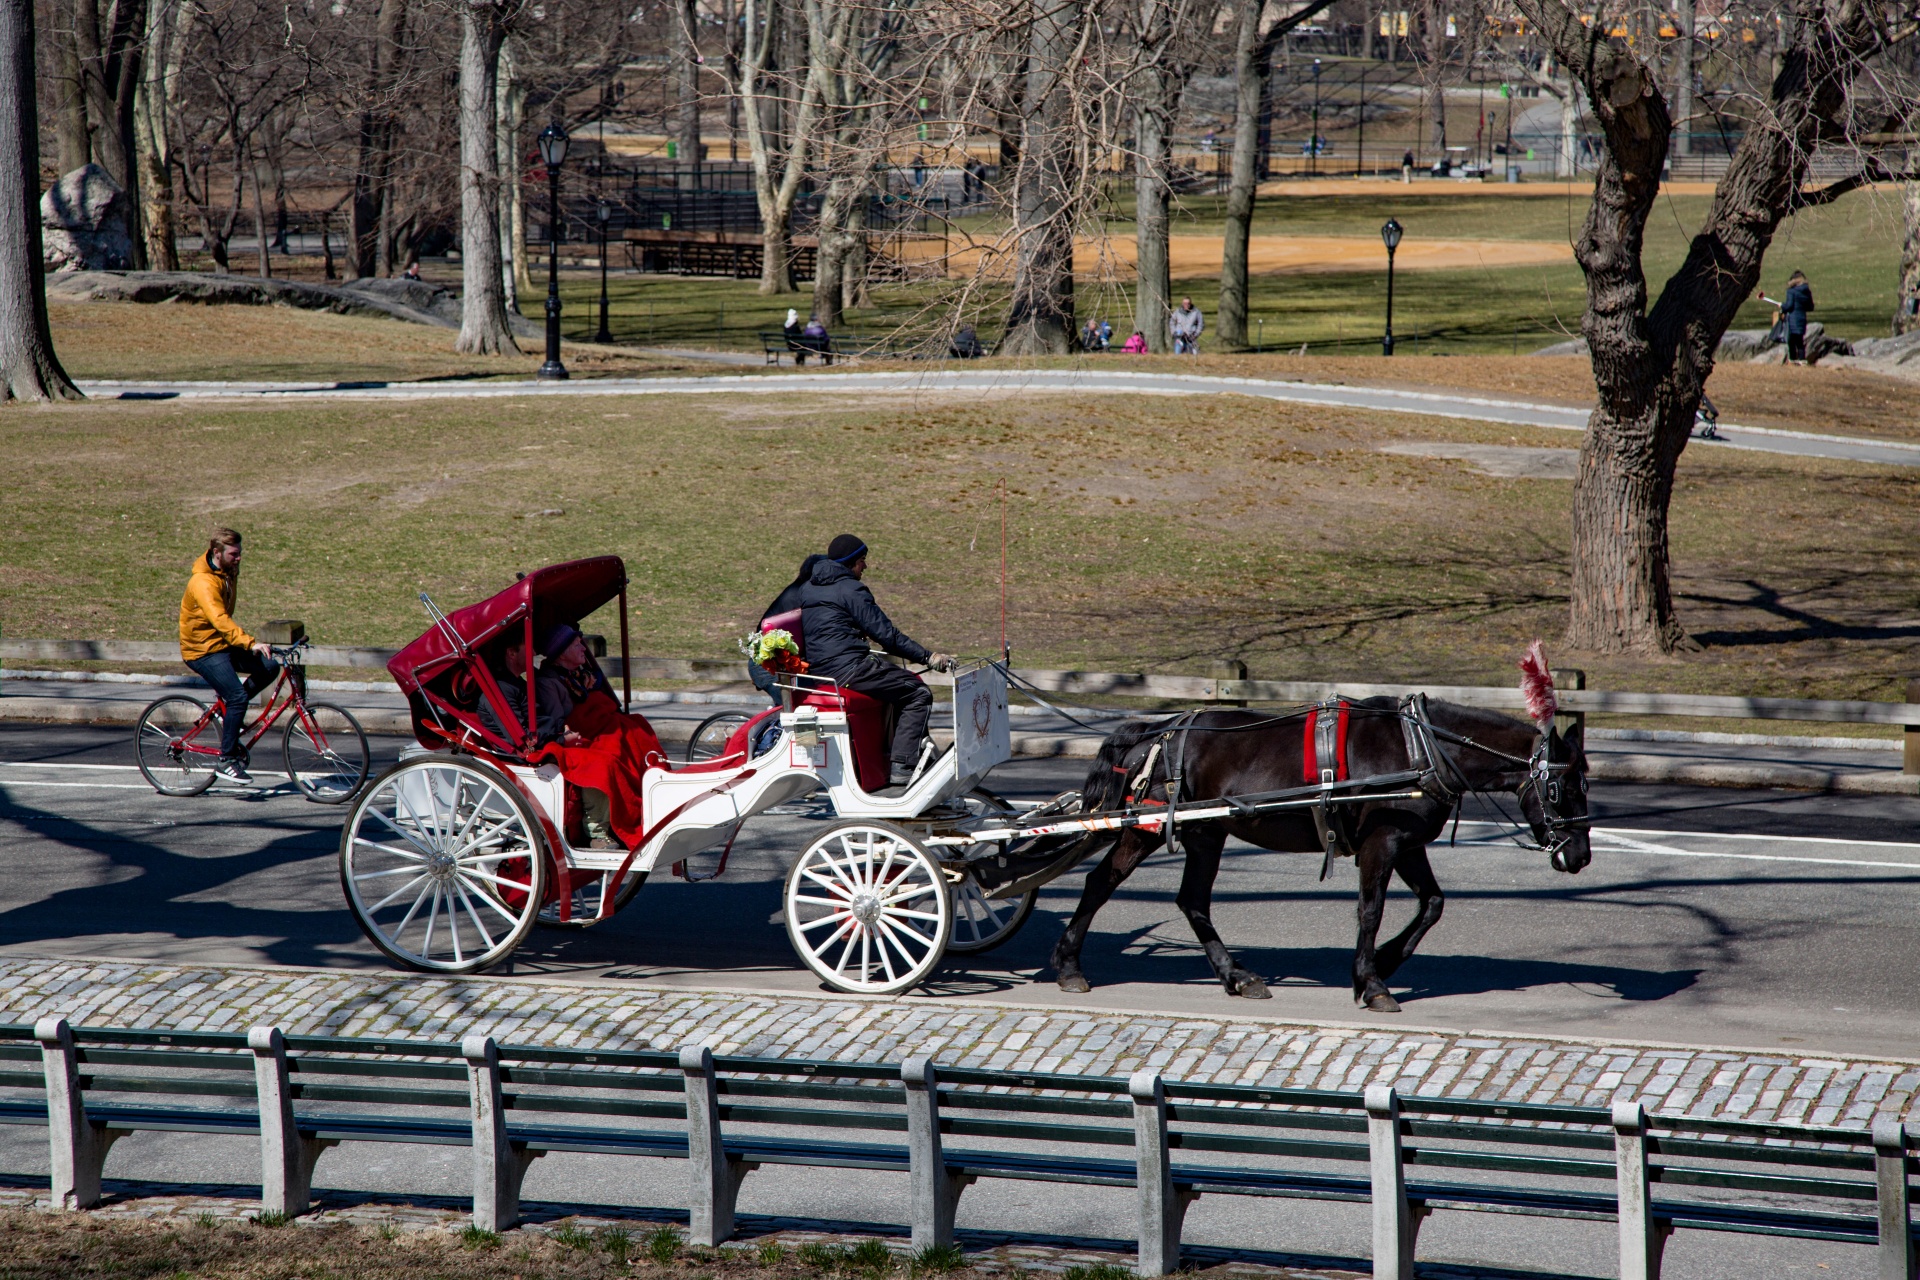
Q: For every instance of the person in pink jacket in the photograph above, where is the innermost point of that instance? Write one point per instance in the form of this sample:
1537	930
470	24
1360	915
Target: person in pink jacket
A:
1136	345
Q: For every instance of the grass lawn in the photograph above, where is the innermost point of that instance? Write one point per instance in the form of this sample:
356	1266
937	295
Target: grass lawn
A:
1144	532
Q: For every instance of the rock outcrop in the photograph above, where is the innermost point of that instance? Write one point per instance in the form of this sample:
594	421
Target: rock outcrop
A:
85	223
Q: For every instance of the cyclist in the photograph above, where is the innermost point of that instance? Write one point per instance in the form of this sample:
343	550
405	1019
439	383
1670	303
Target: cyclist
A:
218	651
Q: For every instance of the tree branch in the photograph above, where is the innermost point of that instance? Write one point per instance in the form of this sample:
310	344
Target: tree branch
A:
1873	171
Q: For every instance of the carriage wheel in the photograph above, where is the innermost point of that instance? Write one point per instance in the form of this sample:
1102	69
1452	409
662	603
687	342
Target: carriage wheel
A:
709	741
981	923
173	757
868	909
326	753
444	865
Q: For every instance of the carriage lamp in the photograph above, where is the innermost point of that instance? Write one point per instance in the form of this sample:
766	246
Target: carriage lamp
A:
605	215
553	154
1390	236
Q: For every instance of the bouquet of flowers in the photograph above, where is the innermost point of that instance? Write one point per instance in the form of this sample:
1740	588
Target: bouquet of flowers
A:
777	651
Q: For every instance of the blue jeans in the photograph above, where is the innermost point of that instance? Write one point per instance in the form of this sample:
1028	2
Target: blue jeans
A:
222	669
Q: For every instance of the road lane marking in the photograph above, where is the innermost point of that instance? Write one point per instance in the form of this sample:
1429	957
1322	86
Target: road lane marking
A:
1619	841
60	764
89	786
1740	835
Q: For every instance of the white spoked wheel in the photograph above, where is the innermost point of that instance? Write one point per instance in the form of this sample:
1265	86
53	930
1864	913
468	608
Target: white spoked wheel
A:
868	909
981	923
444	865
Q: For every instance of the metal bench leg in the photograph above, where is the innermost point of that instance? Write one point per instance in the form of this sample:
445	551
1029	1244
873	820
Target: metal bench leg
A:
1643	1237
1163	1203
936	1190
1396	1219
1890	1170
287	1156
499	1164
716	1174
77	1146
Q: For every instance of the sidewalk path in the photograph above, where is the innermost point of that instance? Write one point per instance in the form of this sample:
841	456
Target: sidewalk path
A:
1496	1068
1021	382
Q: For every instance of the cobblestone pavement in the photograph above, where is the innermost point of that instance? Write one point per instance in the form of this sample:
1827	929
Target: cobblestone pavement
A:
1249	1050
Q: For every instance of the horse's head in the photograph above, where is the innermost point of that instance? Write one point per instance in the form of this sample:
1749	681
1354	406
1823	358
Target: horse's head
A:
1554	797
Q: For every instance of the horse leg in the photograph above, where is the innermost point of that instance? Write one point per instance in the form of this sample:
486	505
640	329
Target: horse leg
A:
1128	852
1417	873
1374	860
1204	845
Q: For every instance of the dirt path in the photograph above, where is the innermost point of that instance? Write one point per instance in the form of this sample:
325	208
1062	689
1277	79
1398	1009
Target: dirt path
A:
1198	257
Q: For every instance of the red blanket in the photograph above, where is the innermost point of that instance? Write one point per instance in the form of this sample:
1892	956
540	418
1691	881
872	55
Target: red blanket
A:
618	750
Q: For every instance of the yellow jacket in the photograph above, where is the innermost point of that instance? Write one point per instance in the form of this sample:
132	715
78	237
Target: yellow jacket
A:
206	613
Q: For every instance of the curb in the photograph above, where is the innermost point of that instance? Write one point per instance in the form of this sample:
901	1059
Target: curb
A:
1066	746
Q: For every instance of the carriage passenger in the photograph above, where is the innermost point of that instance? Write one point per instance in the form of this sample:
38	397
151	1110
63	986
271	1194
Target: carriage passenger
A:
552	701
604	751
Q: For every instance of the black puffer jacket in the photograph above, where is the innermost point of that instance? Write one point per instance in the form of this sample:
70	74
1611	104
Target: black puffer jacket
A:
838	616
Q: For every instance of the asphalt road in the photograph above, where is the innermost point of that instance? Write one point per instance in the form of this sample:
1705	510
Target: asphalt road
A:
1097	381
1750	918
1759	919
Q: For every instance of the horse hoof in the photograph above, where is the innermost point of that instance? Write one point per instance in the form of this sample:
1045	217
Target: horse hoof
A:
1383	1003
1074	984
1251	988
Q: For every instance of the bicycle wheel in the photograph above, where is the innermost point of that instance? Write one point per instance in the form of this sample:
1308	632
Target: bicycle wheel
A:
709	741
177	743
325	750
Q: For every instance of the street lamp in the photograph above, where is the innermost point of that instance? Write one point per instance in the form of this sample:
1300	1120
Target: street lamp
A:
1313	143
1390	236
553	154
605	213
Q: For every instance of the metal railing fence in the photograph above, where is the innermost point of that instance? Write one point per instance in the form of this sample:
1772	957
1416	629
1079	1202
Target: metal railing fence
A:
1405	1156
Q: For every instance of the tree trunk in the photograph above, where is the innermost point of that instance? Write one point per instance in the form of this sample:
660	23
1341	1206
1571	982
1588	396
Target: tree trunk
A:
1433	70
1567	163
830	258
70	100
373	169
1252	67
29	370
683	20
1040	311
778	142
259	215
1683	79
853	271
1906	312
150	136
110	46
483	311
1153	142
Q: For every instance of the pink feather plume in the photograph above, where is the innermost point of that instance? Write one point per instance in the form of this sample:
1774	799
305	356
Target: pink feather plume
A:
1536	684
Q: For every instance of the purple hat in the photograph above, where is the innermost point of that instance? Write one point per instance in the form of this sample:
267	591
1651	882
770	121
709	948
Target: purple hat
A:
554	640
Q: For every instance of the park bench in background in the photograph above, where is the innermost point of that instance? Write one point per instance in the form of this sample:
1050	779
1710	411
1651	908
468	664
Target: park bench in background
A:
1172	1141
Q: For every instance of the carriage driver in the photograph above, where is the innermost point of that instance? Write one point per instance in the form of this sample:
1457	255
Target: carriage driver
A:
218	651
838	617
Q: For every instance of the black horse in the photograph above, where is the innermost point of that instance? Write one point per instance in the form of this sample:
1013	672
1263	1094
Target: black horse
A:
1443	750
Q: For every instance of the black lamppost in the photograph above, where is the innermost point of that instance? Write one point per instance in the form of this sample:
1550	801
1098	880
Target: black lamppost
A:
605	213
553	154
1313	143
1390	235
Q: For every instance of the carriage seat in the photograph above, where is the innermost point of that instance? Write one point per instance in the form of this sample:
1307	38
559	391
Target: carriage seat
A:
866	726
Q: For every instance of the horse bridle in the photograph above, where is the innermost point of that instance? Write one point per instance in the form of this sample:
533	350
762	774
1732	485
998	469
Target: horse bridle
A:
1546	780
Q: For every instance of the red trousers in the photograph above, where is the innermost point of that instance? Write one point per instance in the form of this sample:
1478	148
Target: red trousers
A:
618	750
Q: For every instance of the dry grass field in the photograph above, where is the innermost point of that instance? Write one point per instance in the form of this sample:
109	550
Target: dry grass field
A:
1144	532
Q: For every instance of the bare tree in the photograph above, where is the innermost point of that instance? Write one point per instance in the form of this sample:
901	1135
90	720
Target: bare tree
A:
1650	363
368	252
1165	51
1254	41
683	19
29	370
1906	310
110	39
484	329
780	122
1047	189
169	25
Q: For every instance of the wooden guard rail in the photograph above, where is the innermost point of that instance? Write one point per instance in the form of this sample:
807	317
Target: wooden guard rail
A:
1406	1157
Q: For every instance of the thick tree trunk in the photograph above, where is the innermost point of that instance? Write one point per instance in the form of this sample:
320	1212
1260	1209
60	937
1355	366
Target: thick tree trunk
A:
1433	70
1153	142
483	311
778	142
1906	313
259	216
830	257
1252	66
75	147
853	270
506	134
29	370
1040	311
156	170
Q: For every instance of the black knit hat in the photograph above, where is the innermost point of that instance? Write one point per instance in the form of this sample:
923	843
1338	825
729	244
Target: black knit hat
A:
846	549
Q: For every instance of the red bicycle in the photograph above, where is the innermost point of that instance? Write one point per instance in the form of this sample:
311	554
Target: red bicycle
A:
324	748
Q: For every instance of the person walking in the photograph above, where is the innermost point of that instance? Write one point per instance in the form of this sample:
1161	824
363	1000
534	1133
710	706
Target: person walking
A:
1796	307
215	648
1406	167
838	616
1185	325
